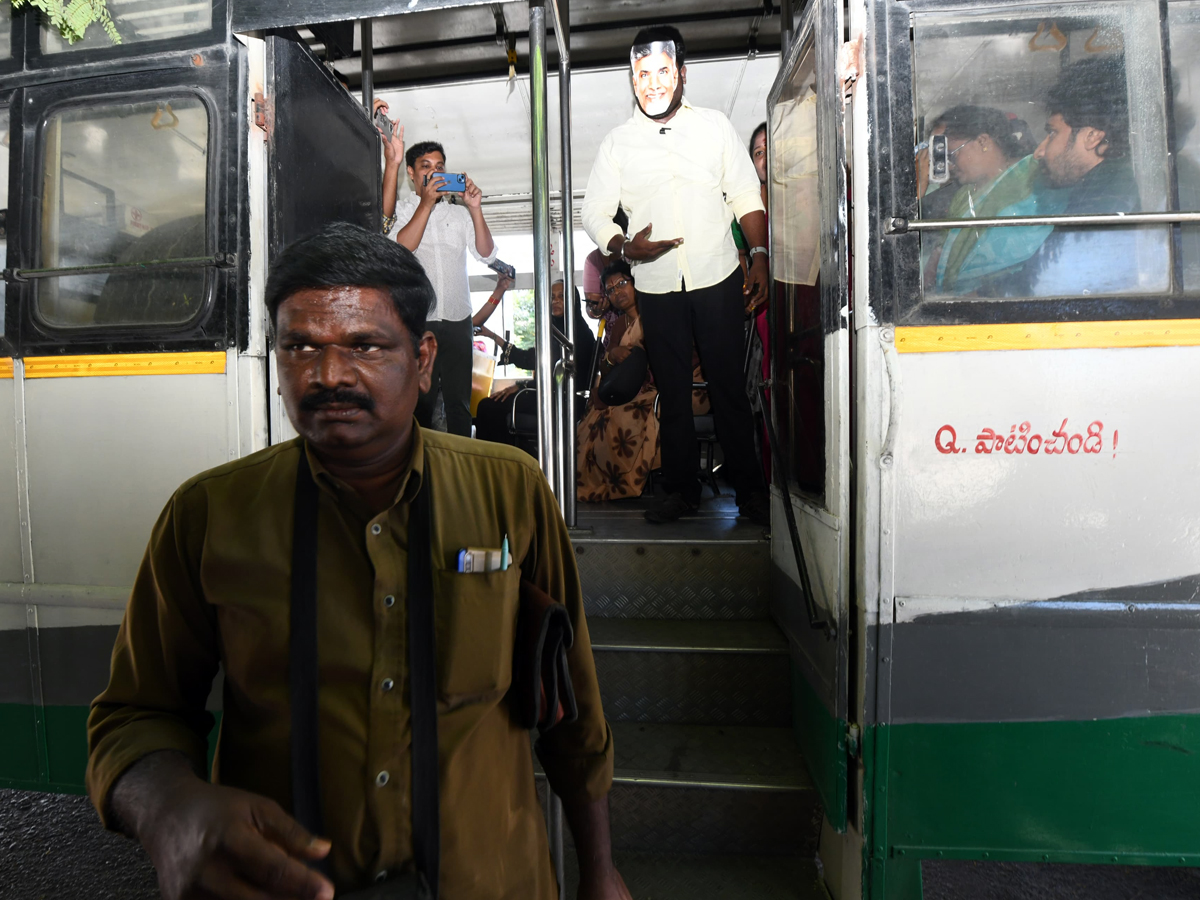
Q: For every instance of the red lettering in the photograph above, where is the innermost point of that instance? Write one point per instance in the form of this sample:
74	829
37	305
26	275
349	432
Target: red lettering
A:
1094	442
949	445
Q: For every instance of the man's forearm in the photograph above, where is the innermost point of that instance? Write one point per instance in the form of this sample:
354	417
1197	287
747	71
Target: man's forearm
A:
391	177
410	235
754	226
484	245
143	787
593	841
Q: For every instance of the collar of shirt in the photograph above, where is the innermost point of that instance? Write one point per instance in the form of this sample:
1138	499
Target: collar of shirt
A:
411	478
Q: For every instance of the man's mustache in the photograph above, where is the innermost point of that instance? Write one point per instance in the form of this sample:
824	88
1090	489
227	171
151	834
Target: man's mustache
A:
326	397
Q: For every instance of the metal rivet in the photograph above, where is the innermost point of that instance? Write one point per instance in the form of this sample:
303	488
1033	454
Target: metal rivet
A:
382	778
901	602
886	461
579	550
376	528
388	601
388	684
887	335
641	551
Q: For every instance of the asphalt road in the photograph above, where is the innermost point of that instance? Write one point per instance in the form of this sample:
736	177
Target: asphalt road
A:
52	847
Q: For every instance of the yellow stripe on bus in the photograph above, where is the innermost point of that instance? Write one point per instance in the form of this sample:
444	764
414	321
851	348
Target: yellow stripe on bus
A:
1049	336
6	368
125	364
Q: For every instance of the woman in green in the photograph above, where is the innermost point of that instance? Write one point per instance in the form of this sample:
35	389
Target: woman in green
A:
990	156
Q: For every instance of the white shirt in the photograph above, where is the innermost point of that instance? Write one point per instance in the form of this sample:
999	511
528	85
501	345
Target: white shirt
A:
449	234
689	178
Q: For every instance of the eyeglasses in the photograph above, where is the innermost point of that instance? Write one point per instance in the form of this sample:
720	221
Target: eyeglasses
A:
615	286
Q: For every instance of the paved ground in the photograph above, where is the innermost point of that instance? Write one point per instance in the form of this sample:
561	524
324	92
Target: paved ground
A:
53	848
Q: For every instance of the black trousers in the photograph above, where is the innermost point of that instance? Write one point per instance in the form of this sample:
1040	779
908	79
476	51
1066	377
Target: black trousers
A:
451	373
713	320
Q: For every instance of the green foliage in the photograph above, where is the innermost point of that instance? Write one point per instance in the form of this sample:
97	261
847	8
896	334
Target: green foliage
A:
523	321
72	17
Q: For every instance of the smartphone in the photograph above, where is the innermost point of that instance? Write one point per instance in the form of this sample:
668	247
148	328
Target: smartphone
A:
503	268
456	182
939	158
384	124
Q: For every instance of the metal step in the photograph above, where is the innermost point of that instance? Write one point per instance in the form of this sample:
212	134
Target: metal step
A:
712	877
710	567
710	789
692	672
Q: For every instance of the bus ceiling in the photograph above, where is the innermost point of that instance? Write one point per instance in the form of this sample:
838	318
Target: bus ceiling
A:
422	41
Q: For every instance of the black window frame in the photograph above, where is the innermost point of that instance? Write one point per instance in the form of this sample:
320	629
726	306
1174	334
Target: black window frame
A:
216	325
896	290
16	61
37	59
11	101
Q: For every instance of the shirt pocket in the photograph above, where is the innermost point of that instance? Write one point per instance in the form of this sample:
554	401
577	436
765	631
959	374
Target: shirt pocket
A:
475	621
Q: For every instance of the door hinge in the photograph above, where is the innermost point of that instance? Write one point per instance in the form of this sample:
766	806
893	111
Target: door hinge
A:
262	113
853	743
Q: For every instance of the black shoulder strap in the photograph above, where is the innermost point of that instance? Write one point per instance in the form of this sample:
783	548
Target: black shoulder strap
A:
422	675
302	654
422	667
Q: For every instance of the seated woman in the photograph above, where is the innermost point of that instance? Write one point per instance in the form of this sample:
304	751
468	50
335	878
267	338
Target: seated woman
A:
618	445
495	413
991	158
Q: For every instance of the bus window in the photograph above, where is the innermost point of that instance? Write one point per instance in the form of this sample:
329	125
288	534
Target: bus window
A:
138	21
1184	21
1036	112
796	265
124	183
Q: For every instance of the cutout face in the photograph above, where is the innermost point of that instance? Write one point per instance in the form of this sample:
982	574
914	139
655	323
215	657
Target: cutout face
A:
657	83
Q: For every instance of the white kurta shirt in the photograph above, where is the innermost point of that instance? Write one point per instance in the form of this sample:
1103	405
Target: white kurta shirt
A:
689	178
449	234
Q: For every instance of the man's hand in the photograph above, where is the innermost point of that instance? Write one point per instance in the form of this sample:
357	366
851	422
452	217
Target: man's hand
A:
214	842
511	390
610	886
640	248
503	283
428	193
472	195
755	287
393	144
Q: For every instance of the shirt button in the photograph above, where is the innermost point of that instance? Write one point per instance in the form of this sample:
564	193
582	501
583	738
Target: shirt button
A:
376	528
388	601
388	684
382	778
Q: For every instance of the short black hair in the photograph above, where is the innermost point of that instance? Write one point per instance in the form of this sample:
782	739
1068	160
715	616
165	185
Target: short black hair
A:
416	151
616	267
761	129
341	255
663	33
1091	93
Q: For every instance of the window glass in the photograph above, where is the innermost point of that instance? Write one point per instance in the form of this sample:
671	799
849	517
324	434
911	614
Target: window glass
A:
1184	21
138	21
796	265
6	31
124	184
1033	112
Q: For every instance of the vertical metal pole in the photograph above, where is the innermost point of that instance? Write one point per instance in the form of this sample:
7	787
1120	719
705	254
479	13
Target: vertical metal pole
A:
785	29
367	46
540	152
562	34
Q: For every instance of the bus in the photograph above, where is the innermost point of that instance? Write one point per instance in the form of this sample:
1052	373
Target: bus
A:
968	647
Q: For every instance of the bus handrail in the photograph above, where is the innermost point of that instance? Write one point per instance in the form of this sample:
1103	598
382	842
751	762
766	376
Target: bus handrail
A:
900	225
187	262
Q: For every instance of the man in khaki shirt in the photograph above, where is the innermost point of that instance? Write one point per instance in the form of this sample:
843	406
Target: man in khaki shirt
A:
352	352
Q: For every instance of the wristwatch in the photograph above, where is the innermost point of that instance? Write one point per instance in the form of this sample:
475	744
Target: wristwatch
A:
754	250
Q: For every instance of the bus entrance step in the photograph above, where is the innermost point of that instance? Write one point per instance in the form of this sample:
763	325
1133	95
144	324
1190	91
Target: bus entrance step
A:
713	877
675	579
692	672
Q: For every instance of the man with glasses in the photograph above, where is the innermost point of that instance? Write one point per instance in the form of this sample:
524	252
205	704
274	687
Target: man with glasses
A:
677	171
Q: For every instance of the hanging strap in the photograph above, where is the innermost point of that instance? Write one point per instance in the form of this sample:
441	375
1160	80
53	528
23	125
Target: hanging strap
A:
422	675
